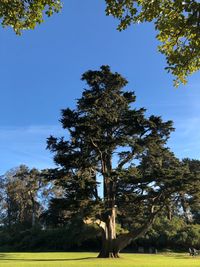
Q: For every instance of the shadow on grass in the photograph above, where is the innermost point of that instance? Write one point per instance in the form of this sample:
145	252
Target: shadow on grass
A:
6	258
181	257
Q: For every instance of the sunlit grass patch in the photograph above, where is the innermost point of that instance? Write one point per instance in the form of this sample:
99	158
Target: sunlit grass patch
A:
89	260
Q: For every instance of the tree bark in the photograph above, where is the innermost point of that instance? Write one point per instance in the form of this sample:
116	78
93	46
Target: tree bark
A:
109	237
112	245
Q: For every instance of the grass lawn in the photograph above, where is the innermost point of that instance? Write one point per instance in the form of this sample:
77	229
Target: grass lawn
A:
90	260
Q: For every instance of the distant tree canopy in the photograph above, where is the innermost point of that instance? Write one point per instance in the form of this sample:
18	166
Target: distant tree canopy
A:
177	23
26	14
22	197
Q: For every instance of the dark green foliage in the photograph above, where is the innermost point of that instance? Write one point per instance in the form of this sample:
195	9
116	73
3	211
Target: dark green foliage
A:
173	234
58	213
76	236
111	139
105	128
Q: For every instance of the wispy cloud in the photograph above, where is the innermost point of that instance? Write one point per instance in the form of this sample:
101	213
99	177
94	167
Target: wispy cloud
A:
31	130
185	140
26	145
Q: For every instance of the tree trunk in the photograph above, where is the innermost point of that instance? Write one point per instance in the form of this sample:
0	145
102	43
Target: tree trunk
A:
111	246
108	249
33	218
33	215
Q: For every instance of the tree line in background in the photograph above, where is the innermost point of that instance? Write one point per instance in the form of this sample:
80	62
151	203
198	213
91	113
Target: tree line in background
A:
150	198
54	229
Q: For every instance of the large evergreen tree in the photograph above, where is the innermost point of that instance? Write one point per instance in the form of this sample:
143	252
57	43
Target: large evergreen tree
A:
110	140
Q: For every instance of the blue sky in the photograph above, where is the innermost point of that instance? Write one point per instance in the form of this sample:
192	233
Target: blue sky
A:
41	70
